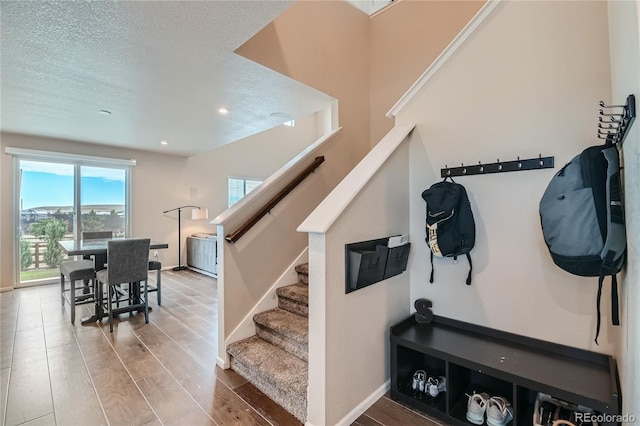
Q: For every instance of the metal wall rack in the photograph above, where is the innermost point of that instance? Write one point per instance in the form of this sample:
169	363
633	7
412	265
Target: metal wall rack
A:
616	120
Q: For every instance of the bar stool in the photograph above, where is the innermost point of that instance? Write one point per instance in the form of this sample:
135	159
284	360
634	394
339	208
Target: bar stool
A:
155	265
80	270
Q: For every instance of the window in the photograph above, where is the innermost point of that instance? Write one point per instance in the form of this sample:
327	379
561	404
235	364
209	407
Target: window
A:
239	187
58	196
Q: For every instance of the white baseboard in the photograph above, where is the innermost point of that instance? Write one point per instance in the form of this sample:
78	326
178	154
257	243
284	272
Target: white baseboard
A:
3	289
223	363
191	268
202	271
363	406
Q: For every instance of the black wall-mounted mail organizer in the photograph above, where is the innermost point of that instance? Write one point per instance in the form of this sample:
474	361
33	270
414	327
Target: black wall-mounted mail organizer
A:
369	262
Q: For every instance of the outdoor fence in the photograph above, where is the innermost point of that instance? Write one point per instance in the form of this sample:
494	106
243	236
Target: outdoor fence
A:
38	249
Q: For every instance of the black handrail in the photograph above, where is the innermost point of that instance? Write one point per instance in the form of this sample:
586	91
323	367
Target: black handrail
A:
235	236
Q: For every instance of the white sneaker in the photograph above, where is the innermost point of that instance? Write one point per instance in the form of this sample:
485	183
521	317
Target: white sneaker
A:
476	407
434	386
498	411
419	381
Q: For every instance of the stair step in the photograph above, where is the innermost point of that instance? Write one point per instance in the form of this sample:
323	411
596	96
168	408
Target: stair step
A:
303	273
296	292
285	330
294	298
278	374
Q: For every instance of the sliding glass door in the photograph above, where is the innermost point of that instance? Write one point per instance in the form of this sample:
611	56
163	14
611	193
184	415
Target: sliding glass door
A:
59	200
46	216
103	200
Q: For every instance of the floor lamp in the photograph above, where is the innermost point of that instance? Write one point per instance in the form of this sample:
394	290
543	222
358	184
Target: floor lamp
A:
196	214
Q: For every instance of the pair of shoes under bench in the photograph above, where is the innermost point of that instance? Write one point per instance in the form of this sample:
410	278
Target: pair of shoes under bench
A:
419	380
434	386
496	408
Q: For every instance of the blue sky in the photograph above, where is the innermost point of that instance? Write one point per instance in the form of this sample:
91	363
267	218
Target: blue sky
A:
49	184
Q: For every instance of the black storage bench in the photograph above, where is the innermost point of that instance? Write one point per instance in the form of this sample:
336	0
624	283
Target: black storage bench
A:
480	359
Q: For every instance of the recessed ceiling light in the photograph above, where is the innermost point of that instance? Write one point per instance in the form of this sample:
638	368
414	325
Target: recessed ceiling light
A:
164	143
104	112
223	111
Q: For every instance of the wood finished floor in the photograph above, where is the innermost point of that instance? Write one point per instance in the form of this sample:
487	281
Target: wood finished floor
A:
161	373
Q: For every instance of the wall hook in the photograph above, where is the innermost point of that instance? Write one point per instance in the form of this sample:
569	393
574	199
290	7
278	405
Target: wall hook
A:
519	163
602	104
464	169
481	166
499	165
609	115
540	162
610	126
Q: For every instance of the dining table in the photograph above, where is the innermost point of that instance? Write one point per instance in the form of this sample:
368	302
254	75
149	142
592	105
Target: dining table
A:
97	250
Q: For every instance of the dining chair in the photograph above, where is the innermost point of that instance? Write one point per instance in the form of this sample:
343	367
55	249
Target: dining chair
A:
127	262
80	270
96	235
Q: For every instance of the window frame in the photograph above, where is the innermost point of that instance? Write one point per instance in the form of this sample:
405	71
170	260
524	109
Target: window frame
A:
244	187
78	161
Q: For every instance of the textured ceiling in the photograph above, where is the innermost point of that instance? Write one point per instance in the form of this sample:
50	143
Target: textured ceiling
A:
163	68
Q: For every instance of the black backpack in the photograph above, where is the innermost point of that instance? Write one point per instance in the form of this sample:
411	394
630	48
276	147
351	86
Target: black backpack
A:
450	228
583	222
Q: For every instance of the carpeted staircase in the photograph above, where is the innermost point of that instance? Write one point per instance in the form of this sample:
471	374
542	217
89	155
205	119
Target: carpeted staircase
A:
275	359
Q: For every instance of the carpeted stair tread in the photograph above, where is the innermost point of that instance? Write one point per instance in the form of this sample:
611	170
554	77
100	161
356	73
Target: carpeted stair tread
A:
298	292
284	329
303	273
290	325
283	369
275	359
303	268
280	375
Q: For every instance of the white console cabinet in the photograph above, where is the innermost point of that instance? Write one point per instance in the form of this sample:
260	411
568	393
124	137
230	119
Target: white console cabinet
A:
202	253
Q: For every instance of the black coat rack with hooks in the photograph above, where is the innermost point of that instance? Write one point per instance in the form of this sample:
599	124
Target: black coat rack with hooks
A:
616	120
499	167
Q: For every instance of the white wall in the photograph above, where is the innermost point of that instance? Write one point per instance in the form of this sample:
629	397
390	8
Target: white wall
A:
527	82
624	41
325	45
255	157
161	182
154	189
405	40
349	333
3	253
